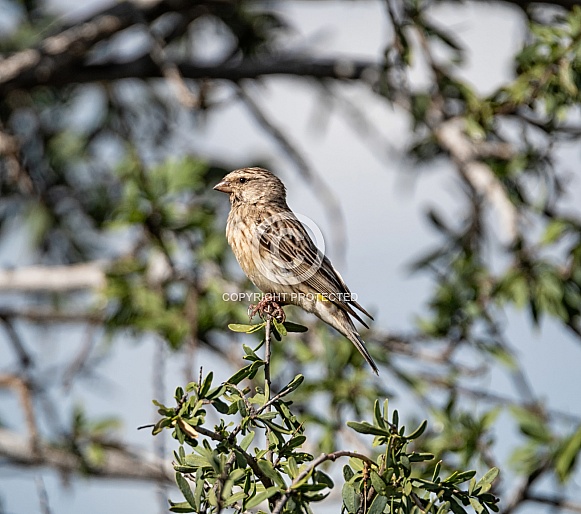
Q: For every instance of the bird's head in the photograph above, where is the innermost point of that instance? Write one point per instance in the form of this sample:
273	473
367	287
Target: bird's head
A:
253	186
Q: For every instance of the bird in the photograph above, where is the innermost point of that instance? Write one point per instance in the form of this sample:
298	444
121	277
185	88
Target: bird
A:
277	254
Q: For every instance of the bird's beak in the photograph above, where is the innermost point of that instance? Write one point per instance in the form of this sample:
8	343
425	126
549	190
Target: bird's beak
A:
224	187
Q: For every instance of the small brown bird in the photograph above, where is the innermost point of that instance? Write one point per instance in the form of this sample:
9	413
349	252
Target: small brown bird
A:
279	257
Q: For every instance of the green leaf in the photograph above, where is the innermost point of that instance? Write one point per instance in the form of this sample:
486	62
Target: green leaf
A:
268	415
476	505
276	335
356	463
322	478
279	327
185	489
436	474
247	440
531	424
240	375
293	467
212	498
457	477
217	391
378	505
420	457
262	496
268	469
293	443
236	497
555	229
180	507
488	478
206	384
351	498
294	383
379	484
199	490
377	415
471	486
418	431
247	329
567	455
236	474
250	353
347	473
366	428
456	506
294	327
220	406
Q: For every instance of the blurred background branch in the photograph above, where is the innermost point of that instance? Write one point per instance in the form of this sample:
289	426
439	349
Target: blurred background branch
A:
116	280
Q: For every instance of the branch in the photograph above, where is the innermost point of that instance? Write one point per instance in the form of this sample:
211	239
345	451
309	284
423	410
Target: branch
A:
324	457
555	501
252	462
56	279
42	316
466	154
24	390
526	4
522	490
69	46
145	68
116	464
19	348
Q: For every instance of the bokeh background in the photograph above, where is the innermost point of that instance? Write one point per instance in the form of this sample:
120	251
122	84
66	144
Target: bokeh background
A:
88	171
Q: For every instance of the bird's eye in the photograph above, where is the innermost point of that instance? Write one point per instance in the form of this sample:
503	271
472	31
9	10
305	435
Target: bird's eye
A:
242	180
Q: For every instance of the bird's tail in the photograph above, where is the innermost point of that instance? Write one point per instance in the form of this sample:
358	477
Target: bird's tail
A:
355	338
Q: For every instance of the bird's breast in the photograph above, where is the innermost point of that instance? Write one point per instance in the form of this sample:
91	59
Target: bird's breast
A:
242	235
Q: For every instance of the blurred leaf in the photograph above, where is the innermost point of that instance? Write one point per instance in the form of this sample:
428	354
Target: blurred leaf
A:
567	455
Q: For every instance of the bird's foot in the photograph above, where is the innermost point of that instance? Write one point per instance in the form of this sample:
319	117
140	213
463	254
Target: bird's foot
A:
269	307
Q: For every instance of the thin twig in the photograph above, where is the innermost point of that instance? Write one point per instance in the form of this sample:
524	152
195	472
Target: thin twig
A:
23	356
521	493
170	70
24	390
274	399
42	496
555	501
79	362
324	457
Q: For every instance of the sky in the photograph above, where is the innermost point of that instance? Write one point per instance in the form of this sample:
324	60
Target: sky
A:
383	200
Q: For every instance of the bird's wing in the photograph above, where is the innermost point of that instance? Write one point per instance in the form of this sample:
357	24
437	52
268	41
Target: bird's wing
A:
287	245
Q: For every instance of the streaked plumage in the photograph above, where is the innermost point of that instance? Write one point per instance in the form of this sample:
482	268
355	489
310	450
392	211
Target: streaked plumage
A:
279	257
